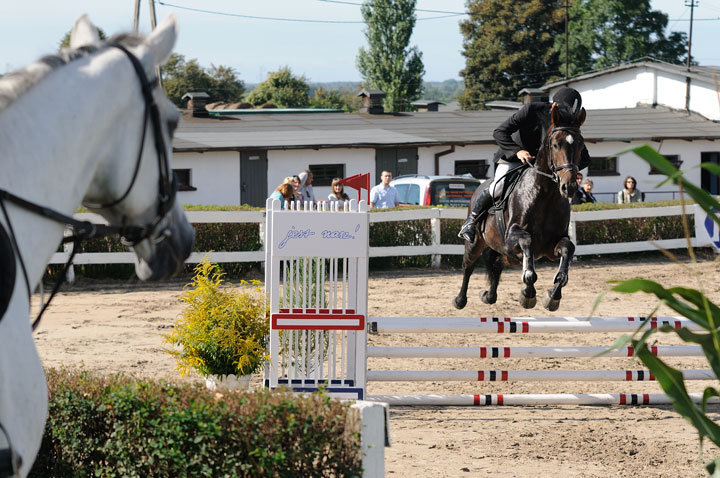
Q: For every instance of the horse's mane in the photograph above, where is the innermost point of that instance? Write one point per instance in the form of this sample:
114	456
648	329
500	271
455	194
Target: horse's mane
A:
16	83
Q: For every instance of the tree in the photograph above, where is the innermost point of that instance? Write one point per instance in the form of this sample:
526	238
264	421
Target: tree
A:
605	33
389	64
335	99
65	42
281	88
508	45
180	77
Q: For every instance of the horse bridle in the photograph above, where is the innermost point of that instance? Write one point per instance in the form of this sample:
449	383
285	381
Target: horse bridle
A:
553	168
157	229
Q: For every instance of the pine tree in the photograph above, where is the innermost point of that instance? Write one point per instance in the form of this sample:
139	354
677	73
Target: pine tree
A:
508	45
388	64
606	33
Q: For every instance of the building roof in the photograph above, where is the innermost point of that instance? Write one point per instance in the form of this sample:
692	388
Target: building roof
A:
704	73
360	130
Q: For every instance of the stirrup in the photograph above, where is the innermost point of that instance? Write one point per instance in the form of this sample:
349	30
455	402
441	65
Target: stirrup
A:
467	231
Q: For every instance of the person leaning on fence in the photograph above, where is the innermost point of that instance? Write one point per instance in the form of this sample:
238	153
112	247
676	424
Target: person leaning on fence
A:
383	195
284	192
629	193
306	190
338	191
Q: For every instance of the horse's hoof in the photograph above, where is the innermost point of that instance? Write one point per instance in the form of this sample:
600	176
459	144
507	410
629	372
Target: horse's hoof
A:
527	302
487	298
549	303
460	302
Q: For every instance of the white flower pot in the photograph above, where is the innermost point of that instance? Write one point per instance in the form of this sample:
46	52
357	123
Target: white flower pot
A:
230	382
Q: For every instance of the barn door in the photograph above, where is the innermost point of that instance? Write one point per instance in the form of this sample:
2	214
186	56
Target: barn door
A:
253	178
398	161
708	181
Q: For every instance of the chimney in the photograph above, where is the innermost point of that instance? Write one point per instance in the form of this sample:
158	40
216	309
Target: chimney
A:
531	95
196	103
424	106
372	101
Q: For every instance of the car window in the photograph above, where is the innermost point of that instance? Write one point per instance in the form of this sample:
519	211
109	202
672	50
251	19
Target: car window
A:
413	194
452	193
402	191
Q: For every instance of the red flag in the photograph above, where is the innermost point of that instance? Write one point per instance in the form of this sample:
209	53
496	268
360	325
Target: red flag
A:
358	181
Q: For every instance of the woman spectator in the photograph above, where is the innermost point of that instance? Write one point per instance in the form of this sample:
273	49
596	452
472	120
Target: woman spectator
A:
338	191
295	183
586	195
285	193
630	193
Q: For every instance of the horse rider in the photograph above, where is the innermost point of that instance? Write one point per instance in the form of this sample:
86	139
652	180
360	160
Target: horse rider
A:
519	138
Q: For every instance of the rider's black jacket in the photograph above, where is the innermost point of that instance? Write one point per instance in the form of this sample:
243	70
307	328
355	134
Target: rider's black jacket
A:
526	129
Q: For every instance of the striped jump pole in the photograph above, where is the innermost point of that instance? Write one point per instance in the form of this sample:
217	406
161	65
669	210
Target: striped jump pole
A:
470	325
532	399
523	352
525	375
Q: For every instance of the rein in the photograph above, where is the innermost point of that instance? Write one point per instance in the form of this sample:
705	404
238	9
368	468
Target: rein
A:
84	230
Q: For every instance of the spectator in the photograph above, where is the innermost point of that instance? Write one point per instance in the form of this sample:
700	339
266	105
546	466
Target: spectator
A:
577	197
295	183
338	191
586	195
306	190
383	195
630	193
285	193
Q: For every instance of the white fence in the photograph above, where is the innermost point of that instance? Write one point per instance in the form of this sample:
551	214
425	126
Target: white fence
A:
700	238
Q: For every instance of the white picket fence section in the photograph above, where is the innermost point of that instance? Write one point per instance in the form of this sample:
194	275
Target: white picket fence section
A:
700	237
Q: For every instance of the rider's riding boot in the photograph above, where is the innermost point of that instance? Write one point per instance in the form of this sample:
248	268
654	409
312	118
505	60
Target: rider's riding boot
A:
483	203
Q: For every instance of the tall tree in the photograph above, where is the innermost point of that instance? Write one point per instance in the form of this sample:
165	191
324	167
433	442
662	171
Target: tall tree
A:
604	33
181	76
508	45
283	89
388	63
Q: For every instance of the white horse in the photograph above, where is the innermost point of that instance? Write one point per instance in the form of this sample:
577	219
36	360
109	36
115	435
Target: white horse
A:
83	126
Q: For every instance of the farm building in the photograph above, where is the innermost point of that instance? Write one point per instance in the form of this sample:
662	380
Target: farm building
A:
240	156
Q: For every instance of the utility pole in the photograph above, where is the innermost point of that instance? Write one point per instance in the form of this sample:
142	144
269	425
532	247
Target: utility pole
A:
567	35
136	16
692	4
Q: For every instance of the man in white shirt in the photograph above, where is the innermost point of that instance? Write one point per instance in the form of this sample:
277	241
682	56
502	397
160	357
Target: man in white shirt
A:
306	190
383	195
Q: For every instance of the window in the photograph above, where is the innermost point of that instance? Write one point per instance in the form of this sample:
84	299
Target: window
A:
413	194
402	190
606	166
183	179
323	174
477	167
673	158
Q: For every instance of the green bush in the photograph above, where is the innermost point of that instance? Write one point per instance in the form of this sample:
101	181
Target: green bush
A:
121	426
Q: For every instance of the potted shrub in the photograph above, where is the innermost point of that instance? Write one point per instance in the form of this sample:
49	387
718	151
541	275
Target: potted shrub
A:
222	332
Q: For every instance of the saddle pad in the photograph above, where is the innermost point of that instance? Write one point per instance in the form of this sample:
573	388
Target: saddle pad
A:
7	271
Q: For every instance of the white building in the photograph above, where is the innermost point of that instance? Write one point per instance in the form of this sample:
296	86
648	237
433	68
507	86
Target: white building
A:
240	159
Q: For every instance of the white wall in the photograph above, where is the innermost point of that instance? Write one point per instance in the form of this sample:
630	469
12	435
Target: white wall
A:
426	160
282	163
642	85
216	175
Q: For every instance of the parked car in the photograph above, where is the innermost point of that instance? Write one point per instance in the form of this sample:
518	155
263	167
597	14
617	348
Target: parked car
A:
418	189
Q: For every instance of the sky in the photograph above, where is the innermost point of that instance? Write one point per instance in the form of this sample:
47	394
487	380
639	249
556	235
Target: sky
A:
322	50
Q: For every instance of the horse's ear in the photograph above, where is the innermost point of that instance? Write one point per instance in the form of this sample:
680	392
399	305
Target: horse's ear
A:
581	116
554	115
83	33
162	40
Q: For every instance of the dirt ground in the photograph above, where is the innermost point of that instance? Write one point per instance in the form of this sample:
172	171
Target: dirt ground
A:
113	327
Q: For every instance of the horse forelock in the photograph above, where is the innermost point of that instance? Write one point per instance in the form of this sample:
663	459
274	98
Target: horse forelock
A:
18	82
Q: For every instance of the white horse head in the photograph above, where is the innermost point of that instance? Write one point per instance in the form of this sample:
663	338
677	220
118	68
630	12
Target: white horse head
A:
83	126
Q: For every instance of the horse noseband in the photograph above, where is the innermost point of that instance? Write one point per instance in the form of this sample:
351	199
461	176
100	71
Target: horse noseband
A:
570	166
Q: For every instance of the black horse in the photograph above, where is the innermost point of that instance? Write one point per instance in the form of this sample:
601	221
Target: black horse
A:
537	215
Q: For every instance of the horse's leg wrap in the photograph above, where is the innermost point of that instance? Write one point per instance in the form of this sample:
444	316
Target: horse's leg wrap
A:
494	267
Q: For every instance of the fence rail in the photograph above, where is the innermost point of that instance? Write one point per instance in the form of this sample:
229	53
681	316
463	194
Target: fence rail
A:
436	249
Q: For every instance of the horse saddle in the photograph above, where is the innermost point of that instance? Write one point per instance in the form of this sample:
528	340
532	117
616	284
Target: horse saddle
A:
7	271
501	198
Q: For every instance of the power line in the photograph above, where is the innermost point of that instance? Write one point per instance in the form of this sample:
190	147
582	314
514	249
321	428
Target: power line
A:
281	19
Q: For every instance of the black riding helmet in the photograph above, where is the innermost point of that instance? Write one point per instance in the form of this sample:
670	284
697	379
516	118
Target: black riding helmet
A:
570	98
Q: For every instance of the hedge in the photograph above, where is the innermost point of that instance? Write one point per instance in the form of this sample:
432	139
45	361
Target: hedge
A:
245	237
123	426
